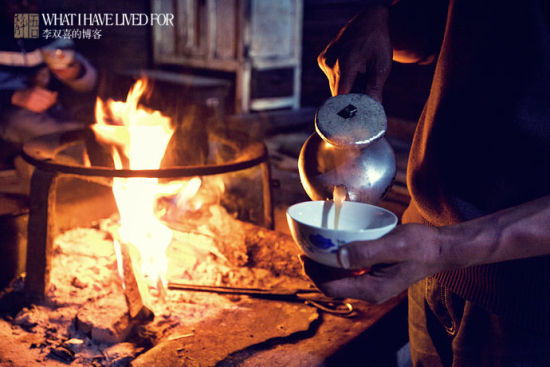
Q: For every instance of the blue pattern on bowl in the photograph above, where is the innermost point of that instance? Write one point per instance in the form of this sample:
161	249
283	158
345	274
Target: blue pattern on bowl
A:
322	242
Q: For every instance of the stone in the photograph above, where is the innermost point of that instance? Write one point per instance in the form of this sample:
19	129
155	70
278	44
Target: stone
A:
74	344
120	355
106	319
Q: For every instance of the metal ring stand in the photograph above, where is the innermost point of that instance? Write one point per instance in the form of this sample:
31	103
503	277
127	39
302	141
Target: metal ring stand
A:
41	152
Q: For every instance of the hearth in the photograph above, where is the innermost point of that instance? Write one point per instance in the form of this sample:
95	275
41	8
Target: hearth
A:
248	165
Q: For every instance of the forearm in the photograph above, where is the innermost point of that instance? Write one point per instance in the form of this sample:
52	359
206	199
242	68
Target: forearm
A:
519	232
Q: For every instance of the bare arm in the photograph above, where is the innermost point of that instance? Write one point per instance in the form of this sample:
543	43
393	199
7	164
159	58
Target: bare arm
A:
515	233
413	251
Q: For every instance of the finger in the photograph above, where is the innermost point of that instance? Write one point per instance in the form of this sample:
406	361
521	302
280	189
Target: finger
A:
375	287
39	102
43	102
365	287
374	92
319	273
348	75
376	78
50	98
38	99
361	255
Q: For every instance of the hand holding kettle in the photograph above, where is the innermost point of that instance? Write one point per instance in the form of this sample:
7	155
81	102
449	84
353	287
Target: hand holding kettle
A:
349	148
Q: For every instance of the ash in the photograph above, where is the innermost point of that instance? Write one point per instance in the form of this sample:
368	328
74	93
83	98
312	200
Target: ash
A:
85	289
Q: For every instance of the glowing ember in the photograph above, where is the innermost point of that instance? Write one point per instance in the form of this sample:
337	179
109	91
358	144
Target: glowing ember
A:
139	137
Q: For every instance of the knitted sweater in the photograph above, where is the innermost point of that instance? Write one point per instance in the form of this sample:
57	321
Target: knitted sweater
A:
483	143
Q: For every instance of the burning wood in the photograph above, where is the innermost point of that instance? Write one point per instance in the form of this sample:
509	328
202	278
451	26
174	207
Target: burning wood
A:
112	318
138	138
135	289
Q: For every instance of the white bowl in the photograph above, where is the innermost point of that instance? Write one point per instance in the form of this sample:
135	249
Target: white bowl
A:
312	226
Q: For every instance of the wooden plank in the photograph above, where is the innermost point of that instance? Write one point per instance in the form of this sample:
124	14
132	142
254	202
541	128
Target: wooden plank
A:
225	29
40	233
164	38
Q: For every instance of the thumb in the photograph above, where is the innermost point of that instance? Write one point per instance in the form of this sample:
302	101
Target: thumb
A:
374	89
361	255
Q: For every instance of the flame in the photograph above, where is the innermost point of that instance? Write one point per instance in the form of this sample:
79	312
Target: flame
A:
188	191
138	137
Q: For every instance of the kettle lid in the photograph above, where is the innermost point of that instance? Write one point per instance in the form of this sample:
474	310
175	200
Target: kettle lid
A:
351	120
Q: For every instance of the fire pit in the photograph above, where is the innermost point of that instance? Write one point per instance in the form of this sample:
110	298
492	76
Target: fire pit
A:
43	153
128	146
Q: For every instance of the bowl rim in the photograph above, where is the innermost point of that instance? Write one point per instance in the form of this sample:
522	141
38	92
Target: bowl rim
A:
346	231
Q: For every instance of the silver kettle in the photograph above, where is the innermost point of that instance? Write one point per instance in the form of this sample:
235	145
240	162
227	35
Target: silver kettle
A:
348	150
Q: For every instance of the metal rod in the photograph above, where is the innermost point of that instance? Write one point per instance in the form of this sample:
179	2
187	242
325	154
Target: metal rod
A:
237	290
308	296
41	152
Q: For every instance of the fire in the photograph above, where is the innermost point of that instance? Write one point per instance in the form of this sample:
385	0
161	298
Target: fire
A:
139	137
